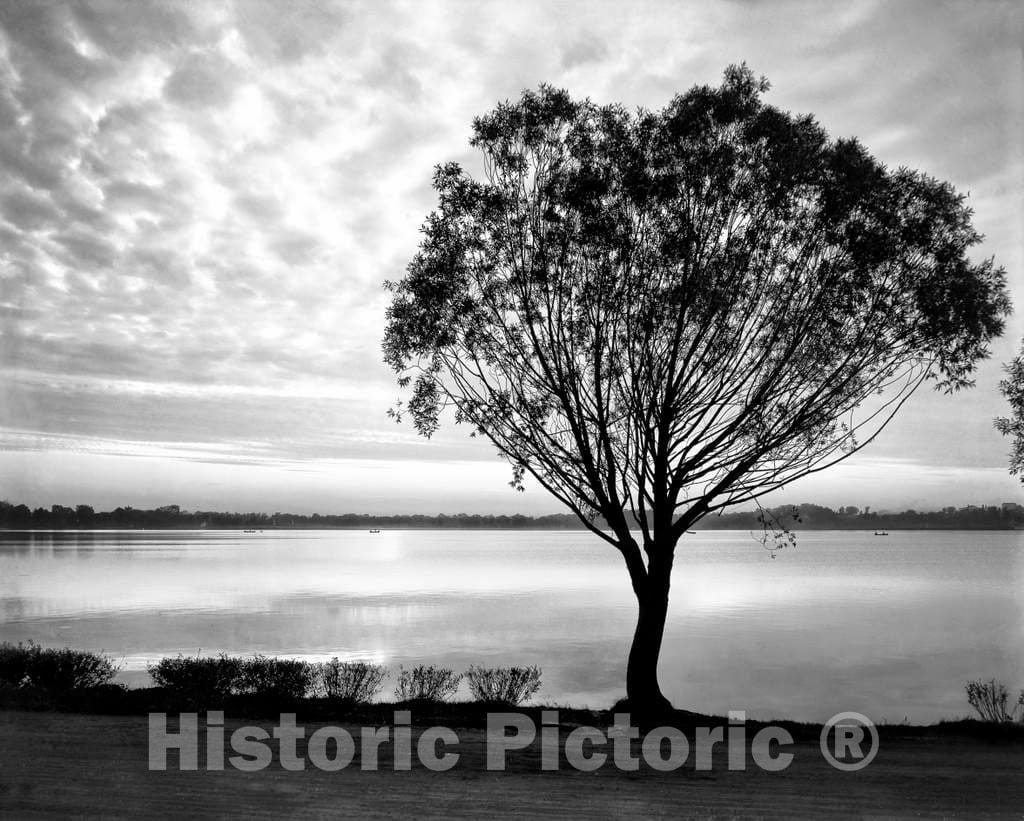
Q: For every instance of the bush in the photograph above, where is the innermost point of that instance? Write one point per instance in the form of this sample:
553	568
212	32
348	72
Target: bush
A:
351	681
989	699
503	685
54	670
424	683
209	680
203	680
288	679
67	669
14	663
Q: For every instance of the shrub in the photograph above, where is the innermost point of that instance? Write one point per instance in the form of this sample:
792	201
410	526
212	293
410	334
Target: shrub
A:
278	678
424	683
14	663
203	680
67	669
353	681
989	699
55	670
211	679
503	685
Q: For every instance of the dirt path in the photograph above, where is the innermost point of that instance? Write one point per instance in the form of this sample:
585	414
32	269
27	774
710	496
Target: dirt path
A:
69	765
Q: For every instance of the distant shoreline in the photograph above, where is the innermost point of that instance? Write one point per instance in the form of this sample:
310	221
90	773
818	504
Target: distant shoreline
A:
537	529
1007	516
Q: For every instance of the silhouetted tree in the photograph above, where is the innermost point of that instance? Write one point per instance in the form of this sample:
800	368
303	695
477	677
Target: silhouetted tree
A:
1012	388
61	516
21	516
661	314
84	515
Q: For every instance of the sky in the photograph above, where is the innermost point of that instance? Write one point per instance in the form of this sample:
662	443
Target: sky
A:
200	202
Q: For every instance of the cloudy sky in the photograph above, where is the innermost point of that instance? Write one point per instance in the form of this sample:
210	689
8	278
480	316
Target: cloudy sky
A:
199	203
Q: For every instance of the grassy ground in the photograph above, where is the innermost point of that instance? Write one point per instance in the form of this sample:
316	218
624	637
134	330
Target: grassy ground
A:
55	764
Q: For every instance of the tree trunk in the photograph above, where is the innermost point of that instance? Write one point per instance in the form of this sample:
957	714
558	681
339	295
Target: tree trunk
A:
642	688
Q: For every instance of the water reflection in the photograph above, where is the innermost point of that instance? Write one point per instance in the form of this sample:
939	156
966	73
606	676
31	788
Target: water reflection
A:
890	627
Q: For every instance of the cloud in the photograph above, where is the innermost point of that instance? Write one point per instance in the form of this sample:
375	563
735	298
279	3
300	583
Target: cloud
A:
585	50
16	312
202	80
84	249
304	31
211	194
295	247
28	209
124	30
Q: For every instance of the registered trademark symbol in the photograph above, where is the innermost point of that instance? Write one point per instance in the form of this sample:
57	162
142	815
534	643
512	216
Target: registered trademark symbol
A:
849	741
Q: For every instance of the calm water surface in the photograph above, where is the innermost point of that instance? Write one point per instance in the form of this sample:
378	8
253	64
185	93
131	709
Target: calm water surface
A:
891	627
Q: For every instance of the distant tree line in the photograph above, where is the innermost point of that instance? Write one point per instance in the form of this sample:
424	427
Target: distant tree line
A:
59	517
816	517
799	517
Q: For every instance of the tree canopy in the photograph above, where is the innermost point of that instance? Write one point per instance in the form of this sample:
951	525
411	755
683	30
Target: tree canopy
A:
660	314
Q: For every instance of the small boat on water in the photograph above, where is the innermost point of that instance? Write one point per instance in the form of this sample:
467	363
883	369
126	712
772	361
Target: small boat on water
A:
375	530
881	533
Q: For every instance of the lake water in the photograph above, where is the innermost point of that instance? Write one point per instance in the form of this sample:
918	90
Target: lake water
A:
891	627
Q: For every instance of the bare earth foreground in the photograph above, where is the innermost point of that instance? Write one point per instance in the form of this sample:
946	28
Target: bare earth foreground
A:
72	765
